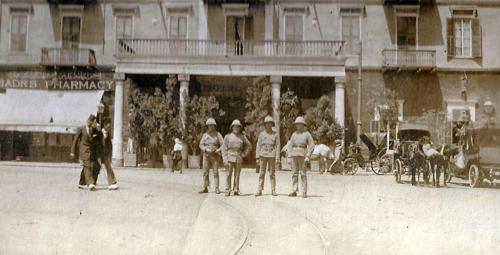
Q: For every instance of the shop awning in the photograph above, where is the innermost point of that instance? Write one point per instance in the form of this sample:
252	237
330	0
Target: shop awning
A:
46	111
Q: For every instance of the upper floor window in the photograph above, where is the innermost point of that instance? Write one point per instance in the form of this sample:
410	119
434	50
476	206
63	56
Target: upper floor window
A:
18	32
178	21
19	17
350	27
407	26
294	28
71	32
464	33
124	25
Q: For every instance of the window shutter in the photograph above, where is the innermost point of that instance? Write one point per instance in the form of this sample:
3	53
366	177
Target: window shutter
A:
476	39
248	28
450	37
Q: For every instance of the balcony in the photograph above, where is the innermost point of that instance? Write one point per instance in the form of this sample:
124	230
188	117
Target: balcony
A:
71	1
225	49
246	58
59	57
419	60
407	1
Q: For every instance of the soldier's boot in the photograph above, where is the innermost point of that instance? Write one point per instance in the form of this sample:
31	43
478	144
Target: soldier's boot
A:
274	193
204	190
217	191
304	195
228	193
258	194
236	193
293	194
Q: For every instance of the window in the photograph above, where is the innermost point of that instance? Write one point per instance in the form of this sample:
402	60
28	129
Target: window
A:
406	26
294	28
71	32
350	33
463	37
18	33
124	25
178	27
464	34
406	32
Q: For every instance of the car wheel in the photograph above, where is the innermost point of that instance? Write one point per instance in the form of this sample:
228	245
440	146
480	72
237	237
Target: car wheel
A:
475	177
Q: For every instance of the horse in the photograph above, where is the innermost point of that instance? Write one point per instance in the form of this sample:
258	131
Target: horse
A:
417	164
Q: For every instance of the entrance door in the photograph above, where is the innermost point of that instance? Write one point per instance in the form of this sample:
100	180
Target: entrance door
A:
294	34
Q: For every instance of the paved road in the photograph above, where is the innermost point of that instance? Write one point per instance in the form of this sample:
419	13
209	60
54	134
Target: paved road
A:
156	212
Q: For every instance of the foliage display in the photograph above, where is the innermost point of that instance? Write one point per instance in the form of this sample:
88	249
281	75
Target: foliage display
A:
321	123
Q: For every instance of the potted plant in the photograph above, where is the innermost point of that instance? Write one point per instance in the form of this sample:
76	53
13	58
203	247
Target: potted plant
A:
198	110
323	126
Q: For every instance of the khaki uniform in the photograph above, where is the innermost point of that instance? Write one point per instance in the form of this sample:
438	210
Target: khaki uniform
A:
267	152
299	147
210	143
234	149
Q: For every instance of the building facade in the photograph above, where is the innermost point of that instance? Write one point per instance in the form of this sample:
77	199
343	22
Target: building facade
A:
72	58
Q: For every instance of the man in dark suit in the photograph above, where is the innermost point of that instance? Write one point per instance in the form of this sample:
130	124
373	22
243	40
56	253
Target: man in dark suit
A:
89	141
107	149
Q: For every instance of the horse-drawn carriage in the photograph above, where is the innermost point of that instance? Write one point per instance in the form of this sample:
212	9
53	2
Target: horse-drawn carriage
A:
407	153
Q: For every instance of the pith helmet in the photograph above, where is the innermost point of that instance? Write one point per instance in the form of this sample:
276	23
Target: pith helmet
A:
235	123
268	119
300	120
211	121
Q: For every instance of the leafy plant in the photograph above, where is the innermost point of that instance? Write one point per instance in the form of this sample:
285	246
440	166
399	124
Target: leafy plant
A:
153	117
198	110
323	126
258	106
290	108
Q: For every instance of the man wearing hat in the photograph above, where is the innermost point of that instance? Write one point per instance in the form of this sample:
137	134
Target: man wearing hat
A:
88	142
235	147
299	148
210	145
267	154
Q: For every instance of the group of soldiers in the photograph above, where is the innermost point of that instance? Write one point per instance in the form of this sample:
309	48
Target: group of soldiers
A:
235	146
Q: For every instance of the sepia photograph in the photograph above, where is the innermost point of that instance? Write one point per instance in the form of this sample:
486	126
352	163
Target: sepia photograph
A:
250	127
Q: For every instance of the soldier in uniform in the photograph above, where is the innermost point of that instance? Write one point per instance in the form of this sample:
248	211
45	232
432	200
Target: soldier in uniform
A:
210	145
235	147
267	154
299	148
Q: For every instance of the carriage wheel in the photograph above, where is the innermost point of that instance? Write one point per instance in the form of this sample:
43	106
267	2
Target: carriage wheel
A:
398	171
382	164
350	166
475	177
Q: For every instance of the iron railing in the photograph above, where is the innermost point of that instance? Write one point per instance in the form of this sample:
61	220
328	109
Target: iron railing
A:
423	59
68	57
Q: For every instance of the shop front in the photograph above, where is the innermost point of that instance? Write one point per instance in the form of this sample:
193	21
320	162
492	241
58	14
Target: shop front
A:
40	111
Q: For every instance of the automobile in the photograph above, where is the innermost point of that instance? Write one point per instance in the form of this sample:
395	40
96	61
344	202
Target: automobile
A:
478	158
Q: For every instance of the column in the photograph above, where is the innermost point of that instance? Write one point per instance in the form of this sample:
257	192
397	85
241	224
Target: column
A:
276	97
117	154
184	94
340	100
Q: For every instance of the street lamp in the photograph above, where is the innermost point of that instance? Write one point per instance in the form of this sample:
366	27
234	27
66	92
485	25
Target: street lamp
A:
359	51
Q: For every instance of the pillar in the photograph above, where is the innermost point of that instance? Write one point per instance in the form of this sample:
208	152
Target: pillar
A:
276	97
184	94
340	100
117	154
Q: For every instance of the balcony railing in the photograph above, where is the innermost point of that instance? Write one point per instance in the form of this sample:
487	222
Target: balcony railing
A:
409	59
209	48
68	57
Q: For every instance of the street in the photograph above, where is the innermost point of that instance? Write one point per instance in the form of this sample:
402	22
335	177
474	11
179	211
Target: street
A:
158	212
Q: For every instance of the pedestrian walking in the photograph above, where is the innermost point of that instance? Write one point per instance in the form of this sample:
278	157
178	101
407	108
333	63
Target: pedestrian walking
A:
211	146
235	147
267	154
177	155
87	142
299	148
106	154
